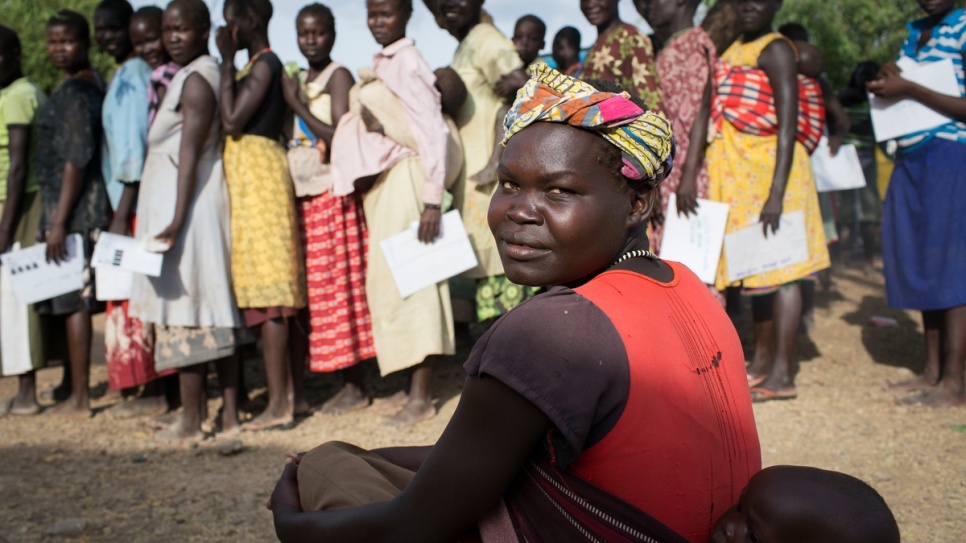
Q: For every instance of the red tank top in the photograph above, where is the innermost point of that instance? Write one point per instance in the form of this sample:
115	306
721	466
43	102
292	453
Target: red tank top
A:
686	443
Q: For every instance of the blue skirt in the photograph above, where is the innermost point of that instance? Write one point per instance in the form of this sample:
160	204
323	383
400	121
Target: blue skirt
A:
924	228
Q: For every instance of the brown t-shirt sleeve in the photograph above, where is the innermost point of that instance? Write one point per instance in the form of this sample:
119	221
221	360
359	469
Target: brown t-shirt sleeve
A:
563	354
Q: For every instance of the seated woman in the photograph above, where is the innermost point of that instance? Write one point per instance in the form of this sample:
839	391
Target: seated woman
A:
568	405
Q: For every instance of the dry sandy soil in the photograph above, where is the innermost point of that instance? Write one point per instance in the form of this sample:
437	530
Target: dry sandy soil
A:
104	480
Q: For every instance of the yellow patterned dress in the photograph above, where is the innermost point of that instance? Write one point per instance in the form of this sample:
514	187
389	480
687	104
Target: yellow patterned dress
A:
267	268
741	168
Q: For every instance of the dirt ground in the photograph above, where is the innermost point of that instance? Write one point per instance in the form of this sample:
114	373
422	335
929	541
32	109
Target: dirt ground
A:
106	480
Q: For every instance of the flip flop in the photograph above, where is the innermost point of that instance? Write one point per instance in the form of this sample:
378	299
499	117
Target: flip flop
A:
755	381
761	395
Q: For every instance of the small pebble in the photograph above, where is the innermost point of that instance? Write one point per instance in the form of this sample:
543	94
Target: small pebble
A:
230	447
139	458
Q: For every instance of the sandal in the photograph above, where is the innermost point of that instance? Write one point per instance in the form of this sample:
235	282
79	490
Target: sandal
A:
761	395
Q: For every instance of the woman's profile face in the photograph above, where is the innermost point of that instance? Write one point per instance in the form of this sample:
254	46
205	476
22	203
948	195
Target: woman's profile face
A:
558	215
66	49
183	39
315	36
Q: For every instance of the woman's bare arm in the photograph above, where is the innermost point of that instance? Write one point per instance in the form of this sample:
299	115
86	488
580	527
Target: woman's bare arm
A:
198	109
687	192
778	62
237	108
19	149
338	89
483	449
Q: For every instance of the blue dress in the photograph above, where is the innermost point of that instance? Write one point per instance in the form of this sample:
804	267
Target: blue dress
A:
924	228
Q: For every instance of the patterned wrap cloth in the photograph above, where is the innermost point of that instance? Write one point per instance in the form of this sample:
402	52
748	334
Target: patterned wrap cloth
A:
745	98
644	137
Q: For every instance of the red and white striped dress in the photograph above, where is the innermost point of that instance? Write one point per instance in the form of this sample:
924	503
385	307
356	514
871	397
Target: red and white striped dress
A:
334	242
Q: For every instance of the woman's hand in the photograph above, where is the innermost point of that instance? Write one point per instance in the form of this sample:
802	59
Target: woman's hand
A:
509	84
171	234
429	225
56	247
290	89
687	196
771	214
890	86
835	143
285	497
283	487
889	83
227	47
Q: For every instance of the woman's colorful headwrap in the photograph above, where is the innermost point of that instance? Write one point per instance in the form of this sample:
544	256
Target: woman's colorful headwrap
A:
644	137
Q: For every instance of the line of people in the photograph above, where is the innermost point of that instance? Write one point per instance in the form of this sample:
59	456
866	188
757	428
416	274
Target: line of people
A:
286	178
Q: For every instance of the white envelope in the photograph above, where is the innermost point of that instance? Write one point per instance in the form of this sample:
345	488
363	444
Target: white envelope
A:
125	253
895	118
113	284
415	265
33	279
749	252
14	328
695	241
840	172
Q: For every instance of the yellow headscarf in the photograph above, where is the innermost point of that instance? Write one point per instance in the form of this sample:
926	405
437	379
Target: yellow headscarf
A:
644	137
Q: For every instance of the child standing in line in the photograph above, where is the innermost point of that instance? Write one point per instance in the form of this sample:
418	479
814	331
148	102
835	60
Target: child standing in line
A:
268	272
333	227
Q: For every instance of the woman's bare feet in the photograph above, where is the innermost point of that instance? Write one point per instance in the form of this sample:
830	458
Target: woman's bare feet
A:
350	398
414	412
269	421
19	406
397	400
944	394
916	384
177	432
72	407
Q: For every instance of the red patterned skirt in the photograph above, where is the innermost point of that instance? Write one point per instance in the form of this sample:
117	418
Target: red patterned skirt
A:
335	242
129	346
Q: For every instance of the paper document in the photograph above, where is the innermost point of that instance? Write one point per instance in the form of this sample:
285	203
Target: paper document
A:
416	265
125	253
894	118
840	172
749	252
15	355
33	279
113	284
695	241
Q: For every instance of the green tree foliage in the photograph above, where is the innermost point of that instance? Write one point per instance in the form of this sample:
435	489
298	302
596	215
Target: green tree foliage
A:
851	31
847	31
29	19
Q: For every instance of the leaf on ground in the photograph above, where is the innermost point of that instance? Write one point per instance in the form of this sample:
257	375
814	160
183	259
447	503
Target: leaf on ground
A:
959	428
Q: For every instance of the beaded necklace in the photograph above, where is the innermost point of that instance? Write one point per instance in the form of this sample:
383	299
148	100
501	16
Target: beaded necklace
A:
634	254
